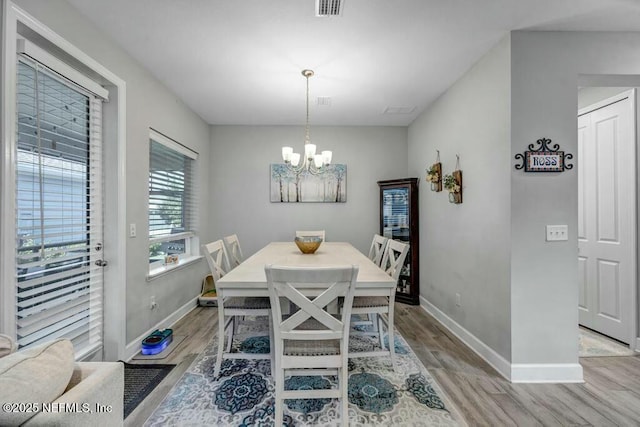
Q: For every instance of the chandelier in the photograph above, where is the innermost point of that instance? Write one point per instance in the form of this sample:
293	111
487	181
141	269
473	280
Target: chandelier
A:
311	162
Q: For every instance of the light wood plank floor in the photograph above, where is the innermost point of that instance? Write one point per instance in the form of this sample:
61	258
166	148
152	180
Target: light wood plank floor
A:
609	397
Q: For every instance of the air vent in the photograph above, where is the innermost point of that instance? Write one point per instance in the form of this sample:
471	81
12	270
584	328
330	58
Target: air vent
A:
329	7
324	101
399	110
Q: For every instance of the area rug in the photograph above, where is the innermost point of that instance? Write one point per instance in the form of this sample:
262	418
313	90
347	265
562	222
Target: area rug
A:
139	381
593	344
244	393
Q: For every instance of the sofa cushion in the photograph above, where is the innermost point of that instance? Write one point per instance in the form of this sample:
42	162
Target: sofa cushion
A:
7	345
36	375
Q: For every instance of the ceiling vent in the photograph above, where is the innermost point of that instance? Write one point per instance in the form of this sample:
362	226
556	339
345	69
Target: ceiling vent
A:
324	101
329	7
399	110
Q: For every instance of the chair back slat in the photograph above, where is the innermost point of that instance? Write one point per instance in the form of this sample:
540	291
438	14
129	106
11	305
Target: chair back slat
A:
234	252
378	246
216	256
394	256
333	282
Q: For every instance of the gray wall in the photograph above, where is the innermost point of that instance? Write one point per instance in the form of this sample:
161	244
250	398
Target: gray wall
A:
149	104
544	282
465	248
240	179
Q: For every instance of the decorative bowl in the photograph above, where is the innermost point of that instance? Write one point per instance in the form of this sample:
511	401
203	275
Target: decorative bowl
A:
308	244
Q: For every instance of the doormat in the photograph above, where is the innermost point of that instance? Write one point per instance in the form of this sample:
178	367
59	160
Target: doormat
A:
593	344
139	381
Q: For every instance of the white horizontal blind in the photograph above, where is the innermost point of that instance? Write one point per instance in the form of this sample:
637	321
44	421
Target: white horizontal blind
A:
59	211
171	202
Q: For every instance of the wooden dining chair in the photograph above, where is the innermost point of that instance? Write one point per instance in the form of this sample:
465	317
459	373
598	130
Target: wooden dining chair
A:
231	309
311	342
380	308
378	245
234	251
318	233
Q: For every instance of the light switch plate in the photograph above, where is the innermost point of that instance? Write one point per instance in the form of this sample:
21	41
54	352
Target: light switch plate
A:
556	233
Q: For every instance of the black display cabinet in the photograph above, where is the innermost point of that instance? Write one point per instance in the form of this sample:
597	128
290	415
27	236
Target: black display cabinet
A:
399	221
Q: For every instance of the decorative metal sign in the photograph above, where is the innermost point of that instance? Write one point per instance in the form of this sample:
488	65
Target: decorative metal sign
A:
544	158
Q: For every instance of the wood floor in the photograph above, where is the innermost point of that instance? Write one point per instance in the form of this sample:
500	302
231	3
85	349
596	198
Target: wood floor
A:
610	395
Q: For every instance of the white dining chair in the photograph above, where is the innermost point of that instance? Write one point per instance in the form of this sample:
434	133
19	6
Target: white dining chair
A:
318	233
378	245
380	308
234	251
311	342
231	309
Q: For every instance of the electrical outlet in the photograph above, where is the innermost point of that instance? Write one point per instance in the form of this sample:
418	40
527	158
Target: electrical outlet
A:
152	303
132	230
458	300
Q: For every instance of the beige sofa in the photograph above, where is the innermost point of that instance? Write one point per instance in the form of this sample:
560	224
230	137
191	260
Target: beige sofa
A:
64	392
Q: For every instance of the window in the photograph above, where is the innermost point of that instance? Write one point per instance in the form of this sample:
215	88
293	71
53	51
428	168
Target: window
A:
171	204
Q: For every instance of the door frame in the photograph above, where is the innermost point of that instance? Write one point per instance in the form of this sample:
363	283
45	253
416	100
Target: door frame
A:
634	340
114	140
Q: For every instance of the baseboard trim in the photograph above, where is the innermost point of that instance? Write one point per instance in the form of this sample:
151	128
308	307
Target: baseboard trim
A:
516	372
546	373
499	363
134	346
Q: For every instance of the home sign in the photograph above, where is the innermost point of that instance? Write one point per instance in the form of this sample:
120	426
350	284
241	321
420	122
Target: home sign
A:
544	158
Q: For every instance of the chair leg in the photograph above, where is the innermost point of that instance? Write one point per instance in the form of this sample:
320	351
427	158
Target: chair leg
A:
230	333
272	347
379	327
279	401
344	400
392	342
221	337
372	318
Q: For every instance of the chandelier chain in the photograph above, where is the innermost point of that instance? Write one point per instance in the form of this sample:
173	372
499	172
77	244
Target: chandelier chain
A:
307	138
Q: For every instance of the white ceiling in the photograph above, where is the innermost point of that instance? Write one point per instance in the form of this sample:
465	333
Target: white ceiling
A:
239	61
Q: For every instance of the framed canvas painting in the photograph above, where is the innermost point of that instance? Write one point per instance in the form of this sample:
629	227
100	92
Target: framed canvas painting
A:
305	187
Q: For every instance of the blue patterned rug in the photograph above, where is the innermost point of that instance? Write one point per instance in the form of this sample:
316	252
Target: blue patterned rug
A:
244	393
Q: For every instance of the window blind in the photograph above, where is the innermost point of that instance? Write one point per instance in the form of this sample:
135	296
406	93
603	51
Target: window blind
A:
58	211
171	202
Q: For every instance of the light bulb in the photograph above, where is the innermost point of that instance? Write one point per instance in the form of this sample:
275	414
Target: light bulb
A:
326	157
286	154
309	151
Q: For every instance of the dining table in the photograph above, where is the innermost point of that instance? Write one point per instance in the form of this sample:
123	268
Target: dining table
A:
249	280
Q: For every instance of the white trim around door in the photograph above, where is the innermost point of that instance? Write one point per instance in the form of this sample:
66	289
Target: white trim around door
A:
621	111
115	176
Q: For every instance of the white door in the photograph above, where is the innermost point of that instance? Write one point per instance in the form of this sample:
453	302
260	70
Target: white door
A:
59	274
606	217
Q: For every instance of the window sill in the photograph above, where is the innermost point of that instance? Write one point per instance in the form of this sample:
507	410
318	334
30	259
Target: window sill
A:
165	269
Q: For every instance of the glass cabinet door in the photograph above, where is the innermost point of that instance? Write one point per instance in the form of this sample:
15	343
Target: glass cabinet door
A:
399	221
395	213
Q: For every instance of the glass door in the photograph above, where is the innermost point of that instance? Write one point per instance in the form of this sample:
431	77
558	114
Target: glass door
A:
59	219
395	223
